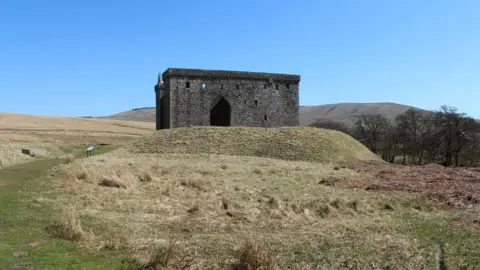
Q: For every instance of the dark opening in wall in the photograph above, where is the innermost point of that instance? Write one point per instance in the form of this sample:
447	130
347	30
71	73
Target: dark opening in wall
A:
245	101
264	86
265	117
204	85
187	85
221	86
220	113
256	102
238	86
276	86
287	86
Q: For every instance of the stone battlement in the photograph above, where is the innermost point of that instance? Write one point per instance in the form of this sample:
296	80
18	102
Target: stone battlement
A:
229	75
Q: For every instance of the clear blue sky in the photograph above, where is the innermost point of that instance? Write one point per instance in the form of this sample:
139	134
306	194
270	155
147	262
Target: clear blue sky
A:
76	58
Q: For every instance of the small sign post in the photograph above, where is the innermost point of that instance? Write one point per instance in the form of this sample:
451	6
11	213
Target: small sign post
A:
90	150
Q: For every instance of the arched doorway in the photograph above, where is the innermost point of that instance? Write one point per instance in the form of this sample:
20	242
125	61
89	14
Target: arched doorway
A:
220	113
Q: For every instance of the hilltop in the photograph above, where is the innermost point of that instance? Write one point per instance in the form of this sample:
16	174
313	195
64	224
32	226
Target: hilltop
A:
339	112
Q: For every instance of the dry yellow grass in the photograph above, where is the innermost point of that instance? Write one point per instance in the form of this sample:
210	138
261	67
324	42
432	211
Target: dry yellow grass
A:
288	143
23	127
32	122
212	203
49	133
10	151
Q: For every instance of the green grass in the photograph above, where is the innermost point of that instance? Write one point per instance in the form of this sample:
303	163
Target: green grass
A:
26	218
462	247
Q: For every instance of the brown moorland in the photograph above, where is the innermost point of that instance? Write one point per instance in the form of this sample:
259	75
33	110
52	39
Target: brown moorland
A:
446	187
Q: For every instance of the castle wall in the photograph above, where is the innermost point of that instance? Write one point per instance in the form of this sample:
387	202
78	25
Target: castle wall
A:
256	99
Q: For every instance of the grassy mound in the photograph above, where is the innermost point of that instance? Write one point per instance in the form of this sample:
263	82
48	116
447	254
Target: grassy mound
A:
287	143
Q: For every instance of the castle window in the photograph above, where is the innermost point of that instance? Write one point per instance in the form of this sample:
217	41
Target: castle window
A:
256	102
204	85
245	101
287	86
238	86
221	86
187	85
265	117
264	86
276	86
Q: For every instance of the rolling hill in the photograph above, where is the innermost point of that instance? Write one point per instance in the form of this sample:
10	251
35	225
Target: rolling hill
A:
340	112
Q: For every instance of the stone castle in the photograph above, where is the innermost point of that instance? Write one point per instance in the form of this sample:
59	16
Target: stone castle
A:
196	97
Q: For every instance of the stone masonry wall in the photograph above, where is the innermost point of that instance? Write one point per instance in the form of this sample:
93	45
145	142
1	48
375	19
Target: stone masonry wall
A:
256	99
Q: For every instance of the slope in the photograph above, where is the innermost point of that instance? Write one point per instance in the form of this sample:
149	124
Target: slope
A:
340	112
287	143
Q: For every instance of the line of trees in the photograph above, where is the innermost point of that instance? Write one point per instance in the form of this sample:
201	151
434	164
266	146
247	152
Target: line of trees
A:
446	136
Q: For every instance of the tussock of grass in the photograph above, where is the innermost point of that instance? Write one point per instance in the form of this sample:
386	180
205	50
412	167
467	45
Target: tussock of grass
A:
68	159
68	226
288	143
163	255
254	256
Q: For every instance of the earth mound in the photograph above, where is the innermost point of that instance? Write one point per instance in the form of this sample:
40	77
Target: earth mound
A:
287	143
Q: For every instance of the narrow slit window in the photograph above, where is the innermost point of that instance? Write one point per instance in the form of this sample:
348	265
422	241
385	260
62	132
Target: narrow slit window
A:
204	85
187	85
287	86
256	102
276	86
245	101
265	117
238	86
221	86
264	86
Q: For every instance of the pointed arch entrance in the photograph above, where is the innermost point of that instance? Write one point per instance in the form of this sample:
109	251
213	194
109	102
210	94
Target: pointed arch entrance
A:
220	112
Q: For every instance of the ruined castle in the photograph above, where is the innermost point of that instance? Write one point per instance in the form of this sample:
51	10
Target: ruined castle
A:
195	97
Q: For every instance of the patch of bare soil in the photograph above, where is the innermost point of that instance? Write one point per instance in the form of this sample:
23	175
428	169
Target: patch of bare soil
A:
445	186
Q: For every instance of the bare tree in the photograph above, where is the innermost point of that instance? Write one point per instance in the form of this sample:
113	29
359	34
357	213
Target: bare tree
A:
413	127
390	142
454	128
370	130
444	136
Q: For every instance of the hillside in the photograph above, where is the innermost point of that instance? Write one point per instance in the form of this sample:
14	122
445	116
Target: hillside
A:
342	112
287	143
146	114
50	135
18	123
339	112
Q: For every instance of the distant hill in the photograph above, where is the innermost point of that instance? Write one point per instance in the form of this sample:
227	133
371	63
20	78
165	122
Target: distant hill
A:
340	112
343	112
145	114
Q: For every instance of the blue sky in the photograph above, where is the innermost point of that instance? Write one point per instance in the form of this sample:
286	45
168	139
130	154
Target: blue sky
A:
78	58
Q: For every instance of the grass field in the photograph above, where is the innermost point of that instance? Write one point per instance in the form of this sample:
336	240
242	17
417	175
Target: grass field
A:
57	136
22	127
194	198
